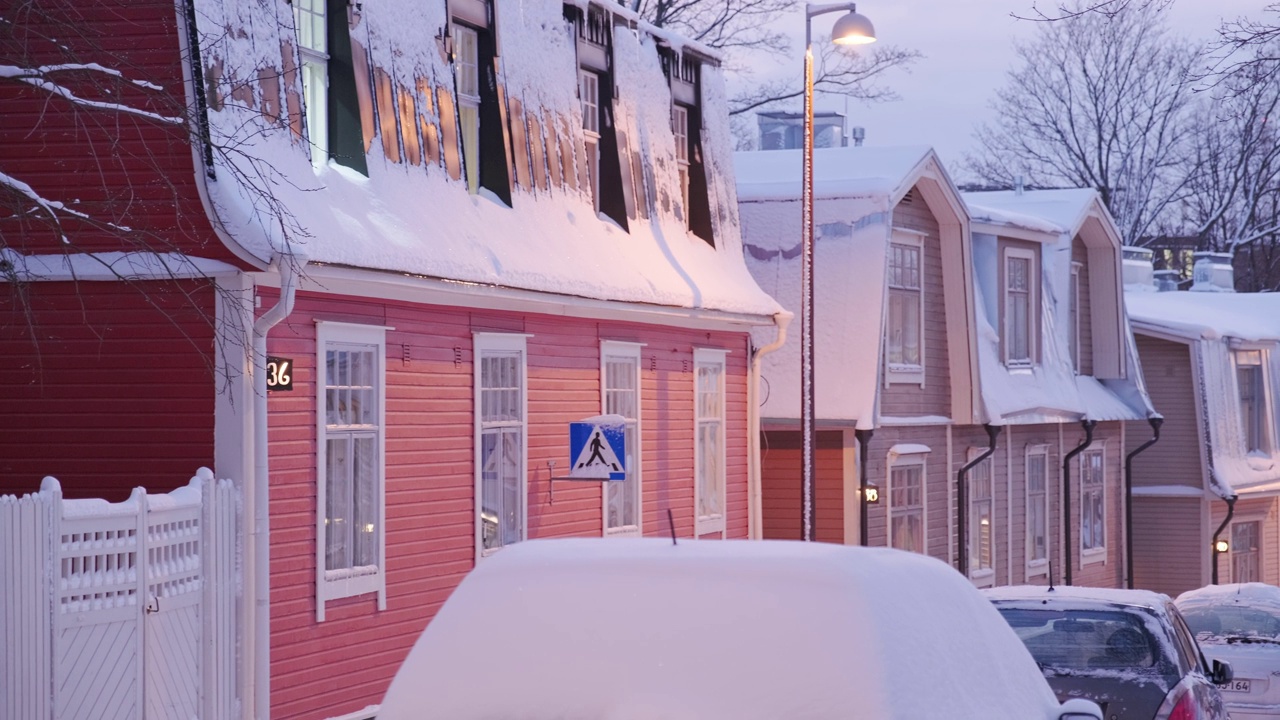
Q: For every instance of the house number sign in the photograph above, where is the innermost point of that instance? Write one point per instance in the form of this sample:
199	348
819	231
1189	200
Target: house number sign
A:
279	373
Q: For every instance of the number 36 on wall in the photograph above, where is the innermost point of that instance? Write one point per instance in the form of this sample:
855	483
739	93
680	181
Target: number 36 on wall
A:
279	373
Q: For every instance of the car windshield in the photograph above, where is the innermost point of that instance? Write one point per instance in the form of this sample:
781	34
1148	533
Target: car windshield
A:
1083	640
1232	623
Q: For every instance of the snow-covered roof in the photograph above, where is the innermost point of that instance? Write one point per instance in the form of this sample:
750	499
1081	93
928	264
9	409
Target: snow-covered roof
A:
749	630
843	172
1076	595
1208	316
414	220
1049	391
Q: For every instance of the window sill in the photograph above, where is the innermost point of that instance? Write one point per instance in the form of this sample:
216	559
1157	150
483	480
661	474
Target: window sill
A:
711	524
1036	568
628	531
983	578
904	375
1094	556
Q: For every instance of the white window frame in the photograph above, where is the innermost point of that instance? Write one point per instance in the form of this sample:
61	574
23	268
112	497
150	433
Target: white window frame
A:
899	462
465	69
1037	567
1246	356
1033	292
1073	327
332	585
315	74
1259	558
590	80
717	358
1097	553
485	343
981	576
629	351
905	373
680	129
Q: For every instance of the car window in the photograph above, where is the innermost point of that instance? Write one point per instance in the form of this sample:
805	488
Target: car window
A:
1231	621
1187	647
1072	640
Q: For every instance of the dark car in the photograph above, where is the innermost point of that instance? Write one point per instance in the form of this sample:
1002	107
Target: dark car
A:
1128	650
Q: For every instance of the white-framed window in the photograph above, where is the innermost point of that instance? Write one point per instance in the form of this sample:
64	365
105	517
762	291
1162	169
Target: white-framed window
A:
1073	322
1020	275
709	434
904	340
501	442
680	127
1093	501
466	68
620	395
313	46
1037	510
906	502
350	462
1246	560
982	518
1252	386
589	93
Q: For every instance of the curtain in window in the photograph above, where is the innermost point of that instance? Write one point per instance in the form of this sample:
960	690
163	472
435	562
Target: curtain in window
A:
1037	507
622	398
1018	308
981	517
501	445
1092	510
710	409
906	523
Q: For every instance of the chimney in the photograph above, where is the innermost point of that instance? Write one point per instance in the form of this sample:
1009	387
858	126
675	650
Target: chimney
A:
1137	269
858	134
1212	272
1166	280
1017	185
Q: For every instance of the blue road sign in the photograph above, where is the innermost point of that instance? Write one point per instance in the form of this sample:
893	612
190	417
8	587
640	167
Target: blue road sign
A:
598	451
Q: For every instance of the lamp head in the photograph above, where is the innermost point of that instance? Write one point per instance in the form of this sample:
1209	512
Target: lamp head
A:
853	29
1222	546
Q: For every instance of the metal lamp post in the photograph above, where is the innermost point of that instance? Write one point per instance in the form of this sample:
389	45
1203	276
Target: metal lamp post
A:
852	29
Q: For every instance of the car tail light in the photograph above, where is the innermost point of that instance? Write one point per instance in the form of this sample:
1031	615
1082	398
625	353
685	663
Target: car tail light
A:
1184	708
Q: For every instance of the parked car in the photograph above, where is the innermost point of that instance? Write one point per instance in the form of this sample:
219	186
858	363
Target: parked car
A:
1128	650
1240	624
631	629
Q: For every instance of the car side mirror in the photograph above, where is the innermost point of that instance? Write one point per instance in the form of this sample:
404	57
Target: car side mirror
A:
1221	673
1080	709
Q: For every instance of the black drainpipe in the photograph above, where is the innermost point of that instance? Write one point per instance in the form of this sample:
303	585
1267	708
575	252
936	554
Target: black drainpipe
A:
1231	510
962	498
864	442
1155	422
1088	426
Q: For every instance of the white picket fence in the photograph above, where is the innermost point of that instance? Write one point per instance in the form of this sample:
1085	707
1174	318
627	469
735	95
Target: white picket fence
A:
119	610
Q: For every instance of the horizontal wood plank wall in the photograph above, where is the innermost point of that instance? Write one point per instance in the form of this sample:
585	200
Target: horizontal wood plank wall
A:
936	479
781	511
1263	511
430	485
1176	459
1018	439
116	390
1085	312
1106	573
913	213
1168	556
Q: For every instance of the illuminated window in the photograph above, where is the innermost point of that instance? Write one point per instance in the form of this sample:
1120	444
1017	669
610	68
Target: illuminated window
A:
981	518
1093	501
906	503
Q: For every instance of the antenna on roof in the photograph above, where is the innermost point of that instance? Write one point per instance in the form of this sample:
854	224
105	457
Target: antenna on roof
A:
1050	576
671	523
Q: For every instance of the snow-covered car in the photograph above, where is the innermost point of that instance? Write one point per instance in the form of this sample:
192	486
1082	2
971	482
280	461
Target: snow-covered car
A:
1240	624
641	629
1128	650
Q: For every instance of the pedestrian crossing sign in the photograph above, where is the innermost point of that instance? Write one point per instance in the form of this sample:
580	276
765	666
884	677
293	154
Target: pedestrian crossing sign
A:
598	448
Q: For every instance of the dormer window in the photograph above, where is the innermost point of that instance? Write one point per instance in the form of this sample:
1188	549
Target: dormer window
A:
313	46
329	98
589	92
1019	281
684	72
680	127
481	118
1073	320
1251	383
602	159
465	62
903	343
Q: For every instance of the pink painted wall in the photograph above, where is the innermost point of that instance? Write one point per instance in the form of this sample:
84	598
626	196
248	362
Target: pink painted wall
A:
346	662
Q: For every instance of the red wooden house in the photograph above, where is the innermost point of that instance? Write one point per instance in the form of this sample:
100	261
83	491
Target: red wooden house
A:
369	261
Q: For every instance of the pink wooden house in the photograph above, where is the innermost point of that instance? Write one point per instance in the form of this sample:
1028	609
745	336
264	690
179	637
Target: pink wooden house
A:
963	343
410	243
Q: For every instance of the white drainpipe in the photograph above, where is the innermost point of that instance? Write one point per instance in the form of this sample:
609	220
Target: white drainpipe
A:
288	267
755	521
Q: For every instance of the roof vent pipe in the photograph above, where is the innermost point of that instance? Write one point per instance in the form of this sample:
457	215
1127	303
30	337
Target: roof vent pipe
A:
1088	426
1017	185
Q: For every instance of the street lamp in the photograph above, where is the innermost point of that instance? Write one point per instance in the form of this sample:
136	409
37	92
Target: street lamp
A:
852	29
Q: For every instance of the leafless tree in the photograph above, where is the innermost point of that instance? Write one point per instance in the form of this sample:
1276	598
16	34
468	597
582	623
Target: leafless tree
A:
746	28
1100	102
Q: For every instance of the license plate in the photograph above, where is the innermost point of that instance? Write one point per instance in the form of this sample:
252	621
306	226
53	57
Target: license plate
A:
1242	686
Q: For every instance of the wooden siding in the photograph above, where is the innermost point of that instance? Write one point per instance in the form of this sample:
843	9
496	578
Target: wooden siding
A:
430	484
1109	571
1266	512
937	484
1177	458
116	167
781	505
1168	548
115	391
1015	442
1085	311
904	399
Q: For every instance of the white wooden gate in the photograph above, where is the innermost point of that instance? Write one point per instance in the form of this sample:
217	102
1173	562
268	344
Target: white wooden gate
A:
119	611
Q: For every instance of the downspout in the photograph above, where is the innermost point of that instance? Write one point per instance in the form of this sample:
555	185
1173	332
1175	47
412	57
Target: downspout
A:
962	498
1231	510
288	267
1156	421
780	321
864	446
1088	426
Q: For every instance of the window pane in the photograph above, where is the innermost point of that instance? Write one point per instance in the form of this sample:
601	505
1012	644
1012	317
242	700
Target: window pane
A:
490	495
365	513
512	502
906	522
338	516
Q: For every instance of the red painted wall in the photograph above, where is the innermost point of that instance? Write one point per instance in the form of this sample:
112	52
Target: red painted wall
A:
114	390
116	167
346	662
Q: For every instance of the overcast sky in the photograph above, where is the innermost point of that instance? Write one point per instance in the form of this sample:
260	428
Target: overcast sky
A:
968	46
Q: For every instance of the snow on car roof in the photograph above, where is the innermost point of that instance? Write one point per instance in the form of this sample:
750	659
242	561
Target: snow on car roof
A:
1076	595
630	628
1251	594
